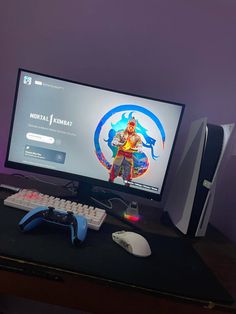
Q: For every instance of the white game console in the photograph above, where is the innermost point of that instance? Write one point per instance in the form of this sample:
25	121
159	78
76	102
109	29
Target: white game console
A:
191	196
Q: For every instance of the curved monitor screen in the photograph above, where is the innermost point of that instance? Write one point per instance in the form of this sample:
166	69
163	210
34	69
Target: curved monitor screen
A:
91	134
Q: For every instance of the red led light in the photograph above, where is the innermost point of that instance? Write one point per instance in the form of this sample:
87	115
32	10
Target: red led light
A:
131	218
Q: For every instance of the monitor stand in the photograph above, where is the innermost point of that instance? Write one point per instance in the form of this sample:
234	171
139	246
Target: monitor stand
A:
95	195
85	192
99	197
91	195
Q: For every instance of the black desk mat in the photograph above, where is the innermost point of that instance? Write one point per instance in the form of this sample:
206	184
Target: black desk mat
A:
174	266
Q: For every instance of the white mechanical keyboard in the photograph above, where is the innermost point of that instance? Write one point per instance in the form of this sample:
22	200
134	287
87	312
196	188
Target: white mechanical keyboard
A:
28	199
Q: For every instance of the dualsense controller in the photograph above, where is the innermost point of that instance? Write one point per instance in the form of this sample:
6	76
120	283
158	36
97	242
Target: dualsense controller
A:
38	215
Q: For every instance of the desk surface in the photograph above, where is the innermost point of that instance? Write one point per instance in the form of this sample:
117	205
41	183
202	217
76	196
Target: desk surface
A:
216	251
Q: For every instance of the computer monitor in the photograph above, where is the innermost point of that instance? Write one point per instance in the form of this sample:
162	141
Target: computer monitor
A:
94	135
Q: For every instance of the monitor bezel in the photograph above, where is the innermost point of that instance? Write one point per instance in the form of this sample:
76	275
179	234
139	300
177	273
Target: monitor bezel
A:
76	177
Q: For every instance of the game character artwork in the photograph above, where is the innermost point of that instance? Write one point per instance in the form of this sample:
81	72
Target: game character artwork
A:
129	143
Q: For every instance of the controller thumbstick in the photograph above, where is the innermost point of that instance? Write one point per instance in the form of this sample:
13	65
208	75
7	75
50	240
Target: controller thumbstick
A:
50	210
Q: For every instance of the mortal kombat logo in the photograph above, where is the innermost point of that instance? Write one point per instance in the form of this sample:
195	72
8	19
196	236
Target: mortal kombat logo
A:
50	119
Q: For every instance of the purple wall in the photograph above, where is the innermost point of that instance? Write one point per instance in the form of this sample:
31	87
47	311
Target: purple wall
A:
178	50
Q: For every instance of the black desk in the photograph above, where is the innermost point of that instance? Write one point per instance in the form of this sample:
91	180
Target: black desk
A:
96	271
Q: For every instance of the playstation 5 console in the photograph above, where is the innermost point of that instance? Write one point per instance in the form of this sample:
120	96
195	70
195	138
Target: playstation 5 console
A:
190	200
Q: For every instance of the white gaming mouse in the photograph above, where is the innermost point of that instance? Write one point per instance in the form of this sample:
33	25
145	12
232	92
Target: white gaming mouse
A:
132	242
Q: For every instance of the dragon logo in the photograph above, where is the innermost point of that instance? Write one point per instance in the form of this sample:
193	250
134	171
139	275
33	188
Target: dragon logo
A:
141	162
